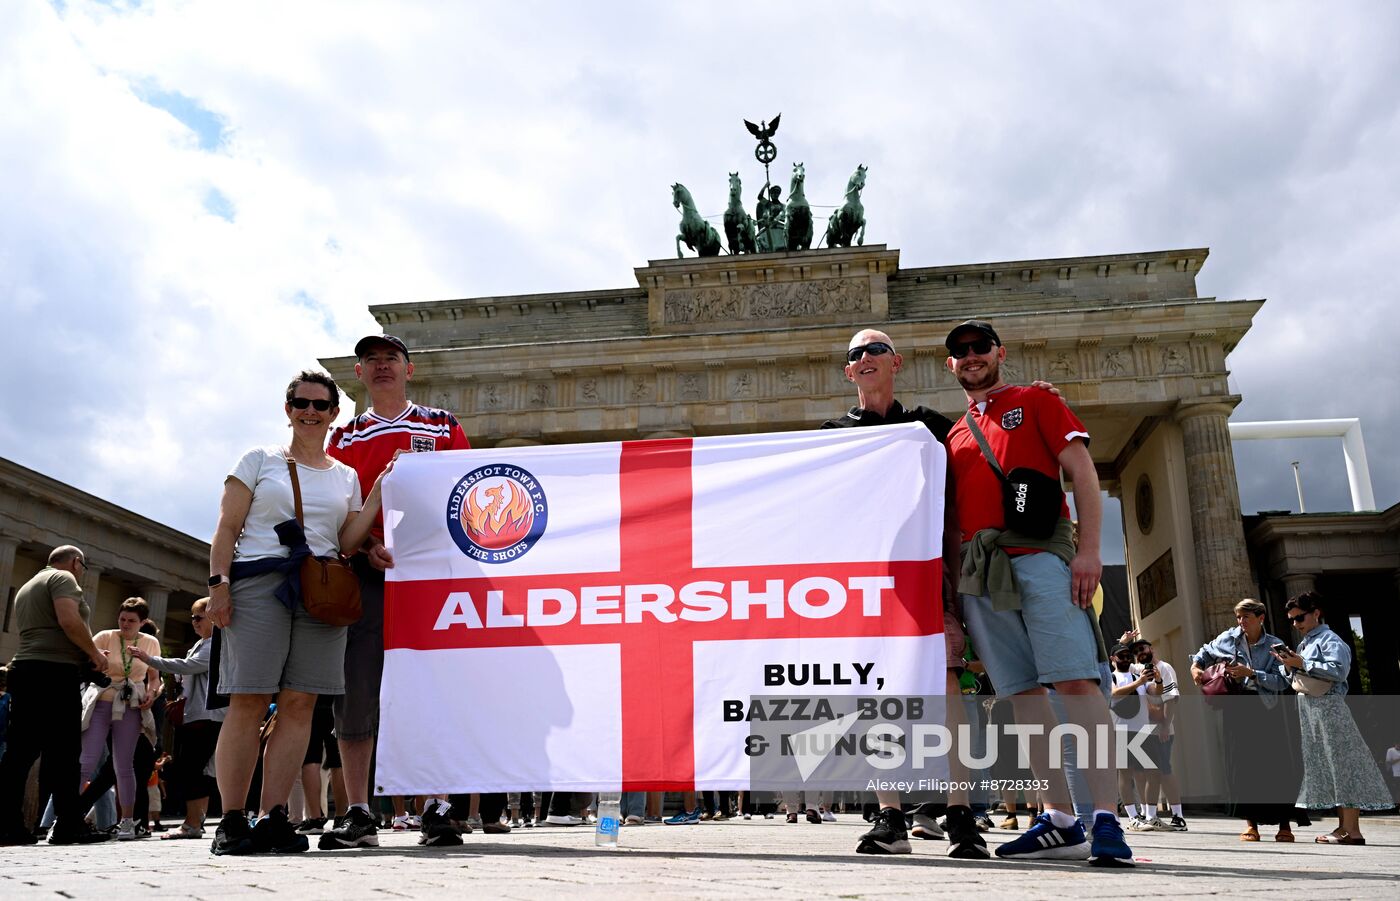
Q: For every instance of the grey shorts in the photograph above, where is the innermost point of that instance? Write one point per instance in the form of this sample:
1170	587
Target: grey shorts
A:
357	710
267	647
1048	640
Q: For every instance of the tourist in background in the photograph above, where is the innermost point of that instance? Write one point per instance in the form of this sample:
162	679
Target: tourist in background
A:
198	733
45	714
118	711
1256	731
1338	769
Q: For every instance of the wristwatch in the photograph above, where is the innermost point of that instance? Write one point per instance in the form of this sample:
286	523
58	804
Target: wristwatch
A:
220	579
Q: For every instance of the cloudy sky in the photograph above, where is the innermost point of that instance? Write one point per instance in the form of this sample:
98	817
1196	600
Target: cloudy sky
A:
199	198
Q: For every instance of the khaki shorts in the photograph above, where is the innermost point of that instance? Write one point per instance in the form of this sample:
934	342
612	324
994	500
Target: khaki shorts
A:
267	647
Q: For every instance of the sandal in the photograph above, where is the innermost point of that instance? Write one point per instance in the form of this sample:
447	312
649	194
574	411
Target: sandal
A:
1250	835
1332	838
1284	835
185	831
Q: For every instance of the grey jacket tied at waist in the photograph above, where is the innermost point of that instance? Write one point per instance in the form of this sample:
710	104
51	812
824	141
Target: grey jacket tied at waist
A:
986	567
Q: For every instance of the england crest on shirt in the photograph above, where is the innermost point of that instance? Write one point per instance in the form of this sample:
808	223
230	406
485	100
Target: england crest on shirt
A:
424	444
1012	418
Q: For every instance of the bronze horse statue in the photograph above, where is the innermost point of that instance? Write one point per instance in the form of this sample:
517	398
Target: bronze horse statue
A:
699	235
848	221
738	224
799	213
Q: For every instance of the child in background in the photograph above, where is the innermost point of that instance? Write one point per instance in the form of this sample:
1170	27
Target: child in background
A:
155	790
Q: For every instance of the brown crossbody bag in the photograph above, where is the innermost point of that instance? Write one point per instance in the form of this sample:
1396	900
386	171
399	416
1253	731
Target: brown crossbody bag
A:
330	590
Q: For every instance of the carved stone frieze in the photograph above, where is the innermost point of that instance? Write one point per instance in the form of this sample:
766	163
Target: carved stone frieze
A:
777	300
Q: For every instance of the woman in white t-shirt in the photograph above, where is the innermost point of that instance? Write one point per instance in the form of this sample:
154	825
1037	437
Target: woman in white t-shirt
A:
270	647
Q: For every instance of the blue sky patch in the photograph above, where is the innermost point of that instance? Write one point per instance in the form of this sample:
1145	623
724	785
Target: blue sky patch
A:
207	126
218	204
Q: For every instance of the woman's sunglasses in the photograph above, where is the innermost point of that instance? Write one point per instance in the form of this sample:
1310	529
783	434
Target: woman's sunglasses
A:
301	403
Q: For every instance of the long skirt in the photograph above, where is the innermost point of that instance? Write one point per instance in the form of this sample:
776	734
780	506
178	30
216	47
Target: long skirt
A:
1261	760
1338	769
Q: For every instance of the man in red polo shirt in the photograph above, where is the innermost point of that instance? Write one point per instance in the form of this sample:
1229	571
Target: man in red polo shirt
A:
1027	601
392	425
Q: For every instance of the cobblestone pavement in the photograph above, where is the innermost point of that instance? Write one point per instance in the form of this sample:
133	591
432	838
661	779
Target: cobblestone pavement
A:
712	860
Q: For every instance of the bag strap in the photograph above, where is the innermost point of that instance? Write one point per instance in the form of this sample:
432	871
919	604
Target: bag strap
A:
296	488
982	443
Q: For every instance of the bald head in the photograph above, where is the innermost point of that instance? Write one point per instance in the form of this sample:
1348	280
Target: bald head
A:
865	336
60	556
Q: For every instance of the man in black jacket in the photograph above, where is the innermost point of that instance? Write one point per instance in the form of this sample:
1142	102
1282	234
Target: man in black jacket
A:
871	365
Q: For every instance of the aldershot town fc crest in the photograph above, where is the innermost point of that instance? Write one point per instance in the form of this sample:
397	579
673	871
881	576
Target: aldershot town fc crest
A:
1012	418
496	513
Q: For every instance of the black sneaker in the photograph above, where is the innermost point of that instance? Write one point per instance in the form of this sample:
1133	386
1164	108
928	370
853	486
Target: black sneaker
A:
965	840
311	826
83	835
889	835
357	831
234	835
274	833
439	830
17	836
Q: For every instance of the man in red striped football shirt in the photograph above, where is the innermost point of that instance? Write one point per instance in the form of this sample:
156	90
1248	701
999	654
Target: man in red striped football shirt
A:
391	425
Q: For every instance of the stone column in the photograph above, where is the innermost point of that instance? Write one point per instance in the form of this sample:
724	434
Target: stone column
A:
158	598
8	546
1295	584
92	579
1222	564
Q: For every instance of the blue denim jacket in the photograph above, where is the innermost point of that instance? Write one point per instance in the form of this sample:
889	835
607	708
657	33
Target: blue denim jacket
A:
1230	645
1325	656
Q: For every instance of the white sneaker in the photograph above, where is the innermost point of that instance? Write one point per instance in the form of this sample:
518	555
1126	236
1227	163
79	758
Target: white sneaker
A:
474	821
126	830
1138	824
828	816
925	827
564	819
1154	824
400	824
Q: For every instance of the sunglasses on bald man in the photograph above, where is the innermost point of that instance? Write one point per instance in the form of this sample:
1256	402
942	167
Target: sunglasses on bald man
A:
874	349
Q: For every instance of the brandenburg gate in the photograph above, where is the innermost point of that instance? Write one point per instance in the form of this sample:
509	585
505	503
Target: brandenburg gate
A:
755	342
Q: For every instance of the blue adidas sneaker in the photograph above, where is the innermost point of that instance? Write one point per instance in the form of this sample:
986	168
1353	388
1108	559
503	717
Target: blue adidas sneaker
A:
1109	849
1045	841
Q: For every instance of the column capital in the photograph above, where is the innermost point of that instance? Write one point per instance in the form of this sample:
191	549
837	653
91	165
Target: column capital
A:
8	543
1190	408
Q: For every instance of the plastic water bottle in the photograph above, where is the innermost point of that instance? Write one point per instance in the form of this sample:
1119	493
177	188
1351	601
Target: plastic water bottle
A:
609	820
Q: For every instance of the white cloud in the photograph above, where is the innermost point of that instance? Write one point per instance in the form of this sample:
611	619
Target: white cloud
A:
375	153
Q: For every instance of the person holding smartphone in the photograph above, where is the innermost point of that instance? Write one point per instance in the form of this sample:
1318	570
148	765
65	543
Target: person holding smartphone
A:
1254	730
1338	769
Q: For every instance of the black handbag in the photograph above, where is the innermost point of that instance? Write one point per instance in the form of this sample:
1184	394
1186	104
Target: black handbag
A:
1031	501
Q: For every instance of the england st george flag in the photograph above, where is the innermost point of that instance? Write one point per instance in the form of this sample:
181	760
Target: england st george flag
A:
575	617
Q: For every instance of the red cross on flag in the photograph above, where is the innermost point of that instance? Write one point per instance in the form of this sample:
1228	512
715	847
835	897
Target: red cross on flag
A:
575	617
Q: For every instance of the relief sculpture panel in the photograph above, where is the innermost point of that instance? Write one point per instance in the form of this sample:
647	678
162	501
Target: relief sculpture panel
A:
783	300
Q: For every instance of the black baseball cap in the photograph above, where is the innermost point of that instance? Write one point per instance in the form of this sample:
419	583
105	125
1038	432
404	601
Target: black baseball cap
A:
364	345
976	325
1121	649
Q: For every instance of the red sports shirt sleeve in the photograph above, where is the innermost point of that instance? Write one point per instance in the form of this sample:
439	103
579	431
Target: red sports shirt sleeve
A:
1056	421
